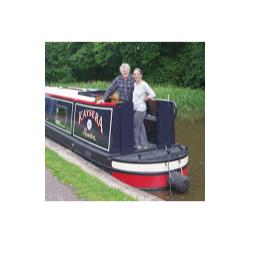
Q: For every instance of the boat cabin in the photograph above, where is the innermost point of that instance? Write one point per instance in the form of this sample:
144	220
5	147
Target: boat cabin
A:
108	126
104	134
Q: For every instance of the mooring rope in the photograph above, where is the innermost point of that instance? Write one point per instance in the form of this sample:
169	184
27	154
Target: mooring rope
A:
170	178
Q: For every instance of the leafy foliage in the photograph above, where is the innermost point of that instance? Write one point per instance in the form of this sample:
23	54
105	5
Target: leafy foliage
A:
181	64
57	64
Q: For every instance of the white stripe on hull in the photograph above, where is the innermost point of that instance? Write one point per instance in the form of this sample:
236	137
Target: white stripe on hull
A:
150	167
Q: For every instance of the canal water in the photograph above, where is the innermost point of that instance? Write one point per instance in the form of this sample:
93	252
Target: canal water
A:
192	134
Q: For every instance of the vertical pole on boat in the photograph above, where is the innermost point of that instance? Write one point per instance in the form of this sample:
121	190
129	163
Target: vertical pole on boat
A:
170	178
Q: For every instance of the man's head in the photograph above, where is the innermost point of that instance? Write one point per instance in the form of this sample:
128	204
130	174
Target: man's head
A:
125	70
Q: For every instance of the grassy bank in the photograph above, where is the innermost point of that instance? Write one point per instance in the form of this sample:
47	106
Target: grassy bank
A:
190	102
86	187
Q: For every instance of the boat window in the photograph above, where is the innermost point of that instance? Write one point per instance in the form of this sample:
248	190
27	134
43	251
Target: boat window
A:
49	107
61	116
58	113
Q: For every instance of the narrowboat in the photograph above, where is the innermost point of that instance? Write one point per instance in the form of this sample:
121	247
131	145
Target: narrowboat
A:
104	134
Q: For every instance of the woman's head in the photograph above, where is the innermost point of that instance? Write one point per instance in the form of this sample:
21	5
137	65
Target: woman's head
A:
137	74
125	70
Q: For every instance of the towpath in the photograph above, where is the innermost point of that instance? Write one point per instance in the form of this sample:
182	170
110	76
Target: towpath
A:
98	173
56	191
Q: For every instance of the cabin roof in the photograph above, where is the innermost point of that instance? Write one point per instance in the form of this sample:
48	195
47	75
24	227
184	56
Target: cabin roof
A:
68	93
72	95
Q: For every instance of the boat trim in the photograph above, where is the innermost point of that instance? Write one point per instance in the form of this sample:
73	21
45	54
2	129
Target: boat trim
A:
149	167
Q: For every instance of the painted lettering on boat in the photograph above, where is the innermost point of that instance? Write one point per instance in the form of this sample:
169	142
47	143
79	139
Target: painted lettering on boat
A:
89	113
88	134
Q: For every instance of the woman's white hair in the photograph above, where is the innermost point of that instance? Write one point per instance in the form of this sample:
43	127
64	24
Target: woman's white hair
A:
124	66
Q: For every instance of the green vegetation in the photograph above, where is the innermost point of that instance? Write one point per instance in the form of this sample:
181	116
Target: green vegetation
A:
86	187
175	70
181	64
190	102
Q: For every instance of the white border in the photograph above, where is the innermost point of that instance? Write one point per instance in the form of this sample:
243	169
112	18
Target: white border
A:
222	223
150	167
86	105
69	132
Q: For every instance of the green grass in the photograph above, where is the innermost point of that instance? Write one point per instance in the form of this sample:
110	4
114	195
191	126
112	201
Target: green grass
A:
190	102
86	187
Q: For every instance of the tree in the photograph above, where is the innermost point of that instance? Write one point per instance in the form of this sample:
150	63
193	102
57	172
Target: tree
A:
178	63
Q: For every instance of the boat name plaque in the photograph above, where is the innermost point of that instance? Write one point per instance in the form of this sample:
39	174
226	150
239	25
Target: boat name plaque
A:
92	124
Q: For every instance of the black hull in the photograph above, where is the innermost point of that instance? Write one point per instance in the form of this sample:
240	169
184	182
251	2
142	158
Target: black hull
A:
140	177
95	155
102	134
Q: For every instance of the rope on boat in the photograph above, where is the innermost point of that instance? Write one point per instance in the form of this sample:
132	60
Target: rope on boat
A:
170	178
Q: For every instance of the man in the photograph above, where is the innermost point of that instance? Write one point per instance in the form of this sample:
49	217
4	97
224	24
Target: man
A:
124	84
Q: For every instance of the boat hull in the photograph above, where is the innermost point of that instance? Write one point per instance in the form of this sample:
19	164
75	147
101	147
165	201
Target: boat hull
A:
145	174
103	134
145	181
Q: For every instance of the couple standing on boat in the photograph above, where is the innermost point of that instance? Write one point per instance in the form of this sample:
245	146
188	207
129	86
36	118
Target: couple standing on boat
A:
133	88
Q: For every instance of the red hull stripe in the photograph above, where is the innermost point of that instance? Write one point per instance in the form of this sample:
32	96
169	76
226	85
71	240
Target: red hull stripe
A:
185	171
63	97
145	181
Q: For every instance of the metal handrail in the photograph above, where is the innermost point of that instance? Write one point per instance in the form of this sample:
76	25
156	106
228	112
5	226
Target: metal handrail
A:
175	108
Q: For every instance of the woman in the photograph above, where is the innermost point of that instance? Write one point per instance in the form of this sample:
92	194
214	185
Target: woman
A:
141	93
